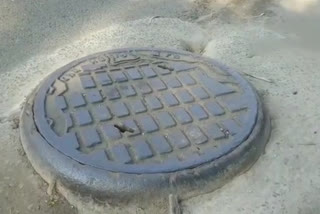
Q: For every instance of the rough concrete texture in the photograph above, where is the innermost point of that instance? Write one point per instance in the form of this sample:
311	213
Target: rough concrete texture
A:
275	45
140	33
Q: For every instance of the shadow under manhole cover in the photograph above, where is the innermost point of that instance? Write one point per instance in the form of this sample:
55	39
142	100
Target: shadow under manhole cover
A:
143	123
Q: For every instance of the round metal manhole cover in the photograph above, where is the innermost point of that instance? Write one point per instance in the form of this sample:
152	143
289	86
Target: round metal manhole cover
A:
132	124
144	111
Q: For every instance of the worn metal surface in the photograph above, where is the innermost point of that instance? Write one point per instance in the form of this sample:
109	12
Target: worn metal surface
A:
140	124
144	111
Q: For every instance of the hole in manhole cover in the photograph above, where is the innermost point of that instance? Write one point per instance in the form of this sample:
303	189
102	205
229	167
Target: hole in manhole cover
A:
139	121
123	128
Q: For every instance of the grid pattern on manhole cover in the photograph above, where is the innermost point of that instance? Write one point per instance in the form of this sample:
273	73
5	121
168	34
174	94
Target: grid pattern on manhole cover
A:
144	111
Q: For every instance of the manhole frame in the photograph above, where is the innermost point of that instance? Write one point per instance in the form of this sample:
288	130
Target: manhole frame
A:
52	164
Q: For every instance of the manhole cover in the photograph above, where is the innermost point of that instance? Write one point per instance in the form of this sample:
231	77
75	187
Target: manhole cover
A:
141	112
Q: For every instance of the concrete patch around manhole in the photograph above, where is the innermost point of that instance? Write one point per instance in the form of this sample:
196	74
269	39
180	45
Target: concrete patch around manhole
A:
140	124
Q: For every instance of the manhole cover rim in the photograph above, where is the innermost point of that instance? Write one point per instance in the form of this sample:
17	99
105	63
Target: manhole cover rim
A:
148	168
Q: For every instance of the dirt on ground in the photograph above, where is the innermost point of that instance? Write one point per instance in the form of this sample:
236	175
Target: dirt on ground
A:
273	44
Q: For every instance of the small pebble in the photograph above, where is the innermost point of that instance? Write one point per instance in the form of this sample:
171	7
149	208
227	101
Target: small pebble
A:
21	152
30	206
250	55
15	123
20	186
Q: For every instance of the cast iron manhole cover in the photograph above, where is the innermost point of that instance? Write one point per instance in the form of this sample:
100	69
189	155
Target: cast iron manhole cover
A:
142	111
